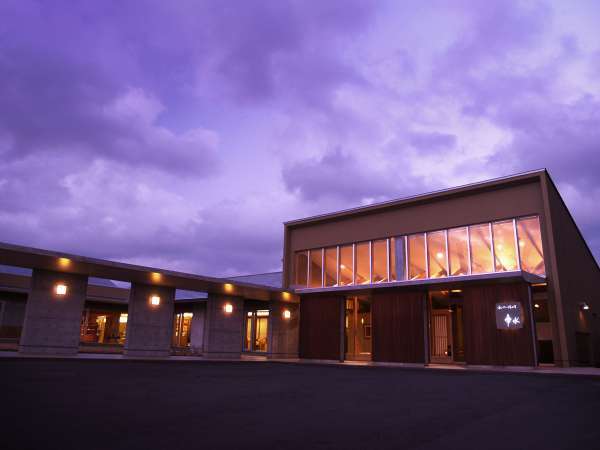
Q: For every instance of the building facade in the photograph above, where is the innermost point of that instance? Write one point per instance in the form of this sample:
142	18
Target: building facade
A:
493	273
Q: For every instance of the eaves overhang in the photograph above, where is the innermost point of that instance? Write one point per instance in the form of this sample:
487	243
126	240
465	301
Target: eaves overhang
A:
437	283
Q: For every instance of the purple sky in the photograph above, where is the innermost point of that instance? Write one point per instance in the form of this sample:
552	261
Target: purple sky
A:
182	134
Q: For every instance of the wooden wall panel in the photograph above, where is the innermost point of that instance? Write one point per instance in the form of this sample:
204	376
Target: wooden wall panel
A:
320	327
398	333
484	343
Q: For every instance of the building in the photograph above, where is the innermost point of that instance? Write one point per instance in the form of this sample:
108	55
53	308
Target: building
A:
492	273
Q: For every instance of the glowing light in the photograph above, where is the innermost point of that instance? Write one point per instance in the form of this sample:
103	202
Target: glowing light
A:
262	312
456	291
584	306
287	314
188	315
439	255
228	287
155	300
536	306
228	308
286	295
342	266
123	318
521	243
64	262
60	289
156	277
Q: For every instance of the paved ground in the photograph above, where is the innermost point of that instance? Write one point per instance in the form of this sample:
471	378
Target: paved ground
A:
110	405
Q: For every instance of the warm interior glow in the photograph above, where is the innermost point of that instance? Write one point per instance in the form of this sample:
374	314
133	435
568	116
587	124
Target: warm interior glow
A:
287	314
530	244
436	249
379	261
316	268
346	274
228	287
331	263
262	313
60	289
228	308
362	264
505	251
123	318
155	300
416	257
301	269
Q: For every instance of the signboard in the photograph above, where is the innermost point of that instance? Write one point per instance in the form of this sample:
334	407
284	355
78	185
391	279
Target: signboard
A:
508	316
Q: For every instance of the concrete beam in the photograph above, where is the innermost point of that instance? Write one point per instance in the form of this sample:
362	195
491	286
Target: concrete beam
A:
223	330
52	322
283	331
149	326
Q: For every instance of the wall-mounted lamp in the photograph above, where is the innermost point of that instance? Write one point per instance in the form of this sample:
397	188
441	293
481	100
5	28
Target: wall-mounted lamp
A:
155	300
584	306
64	262
156	277
456	291
228	308
228	287
536	306
287	314
60	289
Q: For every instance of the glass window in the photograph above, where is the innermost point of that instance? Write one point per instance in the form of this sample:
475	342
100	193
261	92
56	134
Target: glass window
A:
436	249
416	257
458	251
481	249
331	266
397	259
530	245
346	263
363	272
301	269
380	261
316	268
504	246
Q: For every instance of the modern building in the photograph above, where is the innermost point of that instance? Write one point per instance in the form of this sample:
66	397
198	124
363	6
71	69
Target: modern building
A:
492	273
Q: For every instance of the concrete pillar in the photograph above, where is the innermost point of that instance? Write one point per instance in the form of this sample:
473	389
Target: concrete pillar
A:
223	330
197	330
52	322
283	332
149	327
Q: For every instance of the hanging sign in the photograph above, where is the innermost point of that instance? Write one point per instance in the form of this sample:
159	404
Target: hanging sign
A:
508	316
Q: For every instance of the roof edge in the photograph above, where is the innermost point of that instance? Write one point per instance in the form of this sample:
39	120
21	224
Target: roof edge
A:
419	197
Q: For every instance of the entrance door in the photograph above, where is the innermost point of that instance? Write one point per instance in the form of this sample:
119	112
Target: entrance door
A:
256	336
441	336
182	329
358	336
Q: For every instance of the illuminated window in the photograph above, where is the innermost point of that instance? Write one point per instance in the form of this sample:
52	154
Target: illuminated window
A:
530	245
458	251
436	254
481	249
363	272
346	263
316	268
504	246
331	266
301	268
379	261
416	257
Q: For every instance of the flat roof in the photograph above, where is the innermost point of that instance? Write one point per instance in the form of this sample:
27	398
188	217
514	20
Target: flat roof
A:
35	258
433	195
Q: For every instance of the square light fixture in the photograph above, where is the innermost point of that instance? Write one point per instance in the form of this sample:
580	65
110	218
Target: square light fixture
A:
155	300
287	314
60	289
228	308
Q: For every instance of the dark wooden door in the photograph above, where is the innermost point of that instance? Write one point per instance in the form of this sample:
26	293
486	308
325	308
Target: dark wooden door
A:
320	327
484	343
398	326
